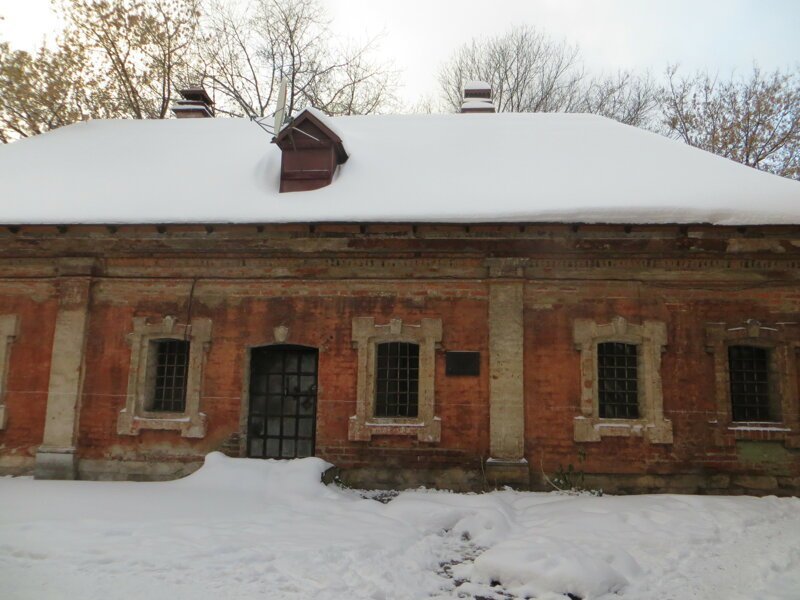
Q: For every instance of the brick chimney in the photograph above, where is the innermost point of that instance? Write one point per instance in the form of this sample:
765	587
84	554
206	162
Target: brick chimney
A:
196	104
477	98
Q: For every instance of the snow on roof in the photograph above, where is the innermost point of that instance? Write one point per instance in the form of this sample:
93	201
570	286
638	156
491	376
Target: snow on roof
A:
445	168
477	103
477	85
319	115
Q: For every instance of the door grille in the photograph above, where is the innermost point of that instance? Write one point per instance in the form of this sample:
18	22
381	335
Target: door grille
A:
283	402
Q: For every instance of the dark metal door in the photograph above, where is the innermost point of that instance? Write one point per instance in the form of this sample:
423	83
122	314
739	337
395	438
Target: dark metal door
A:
283	402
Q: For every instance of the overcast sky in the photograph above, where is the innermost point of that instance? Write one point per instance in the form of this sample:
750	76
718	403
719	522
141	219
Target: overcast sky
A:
418	35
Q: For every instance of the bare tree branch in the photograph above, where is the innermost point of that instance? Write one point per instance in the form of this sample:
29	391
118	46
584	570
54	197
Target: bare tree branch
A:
246	54
143	46
530	72
754	120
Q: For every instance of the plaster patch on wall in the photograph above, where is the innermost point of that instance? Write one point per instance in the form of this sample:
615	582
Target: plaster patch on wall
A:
772	455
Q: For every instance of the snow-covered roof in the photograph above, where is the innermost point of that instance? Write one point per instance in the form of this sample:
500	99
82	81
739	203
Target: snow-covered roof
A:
483	103
318	114
445	168
477	85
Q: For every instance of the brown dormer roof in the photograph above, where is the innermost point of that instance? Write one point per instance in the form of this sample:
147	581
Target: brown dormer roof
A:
310	152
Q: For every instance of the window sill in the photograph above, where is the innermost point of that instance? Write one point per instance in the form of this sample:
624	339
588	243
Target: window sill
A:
589	429
758	426
761	431
362	431
190	426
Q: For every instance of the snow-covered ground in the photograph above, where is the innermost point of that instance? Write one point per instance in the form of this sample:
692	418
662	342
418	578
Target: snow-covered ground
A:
245	529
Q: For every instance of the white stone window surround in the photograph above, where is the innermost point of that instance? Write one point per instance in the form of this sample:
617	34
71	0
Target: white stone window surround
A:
650	339
366	336
9	328
135	416
783	341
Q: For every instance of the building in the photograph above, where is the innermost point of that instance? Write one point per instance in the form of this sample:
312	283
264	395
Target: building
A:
455	300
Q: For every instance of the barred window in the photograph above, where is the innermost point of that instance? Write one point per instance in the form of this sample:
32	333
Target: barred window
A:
749	379
397	381
618	380
169	389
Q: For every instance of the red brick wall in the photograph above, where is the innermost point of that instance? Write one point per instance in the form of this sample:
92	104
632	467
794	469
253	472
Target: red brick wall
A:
35	305
318	315
552	373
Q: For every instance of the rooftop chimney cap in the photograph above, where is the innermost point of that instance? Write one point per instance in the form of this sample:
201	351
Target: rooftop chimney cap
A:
196	103
477	85
197	93
477	89
477	98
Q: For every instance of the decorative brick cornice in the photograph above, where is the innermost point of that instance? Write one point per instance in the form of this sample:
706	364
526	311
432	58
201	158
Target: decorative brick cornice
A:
590	265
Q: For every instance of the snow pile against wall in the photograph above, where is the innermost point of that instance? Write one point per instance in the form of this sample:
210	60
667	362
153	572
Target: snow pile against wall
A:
269	480
243	528
448	168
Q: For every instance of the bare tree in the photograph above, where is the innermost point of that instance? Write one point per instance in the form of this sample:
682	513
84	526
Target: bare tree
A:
247	53
753	120
115	58
46	90
531	72
527	70
426	105
625	97
142	47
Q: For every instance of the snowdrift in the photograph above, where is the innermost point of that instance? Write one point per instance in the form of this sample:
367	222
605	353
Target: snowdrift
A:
249	528
268	479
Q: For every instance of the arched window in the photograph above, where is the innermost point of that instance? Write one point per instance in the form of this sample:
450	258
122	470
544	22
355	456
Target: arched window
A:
165	378
621	374
395	384
756	382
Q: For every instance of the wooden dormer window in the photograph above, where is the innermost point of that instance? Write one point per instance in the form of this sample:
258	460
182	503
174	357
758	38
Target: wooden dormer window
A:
310	152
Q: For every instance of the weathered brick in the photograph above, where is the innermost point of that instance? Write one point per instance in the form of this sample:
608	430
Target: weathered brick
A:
248	282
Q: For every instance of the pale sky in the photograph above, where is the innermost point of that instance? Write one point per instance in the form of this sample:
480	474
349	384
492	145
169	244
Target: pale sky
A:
418	35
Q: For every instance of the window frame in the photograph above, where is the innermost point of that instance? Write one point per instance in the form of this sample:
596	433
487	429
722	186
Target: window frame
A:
138	414
782	341
9	329
773	394
366	336
650	338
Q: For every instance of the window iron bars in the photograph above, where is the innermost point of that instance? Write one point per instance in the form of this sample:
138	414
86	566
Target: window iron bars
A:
618	380
397	380
172	366
749	383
